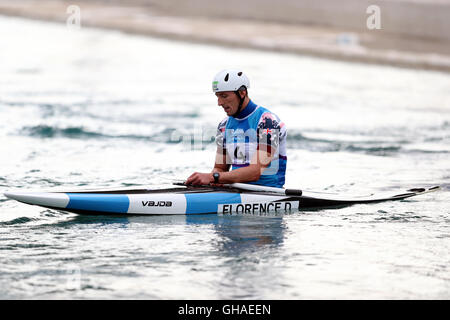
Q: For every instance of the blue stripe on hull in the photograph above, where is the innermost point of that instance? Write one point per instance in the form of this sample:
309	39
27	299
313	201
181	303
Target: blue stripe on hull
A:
117	203
208	202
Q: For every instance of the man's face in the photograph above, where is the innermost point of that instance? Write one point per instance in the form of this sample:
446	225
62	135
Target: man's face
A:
229	101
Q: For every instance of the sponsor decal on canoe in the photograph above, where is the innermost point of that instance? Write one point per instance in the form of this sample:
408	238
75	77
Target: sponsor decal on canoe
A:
253	207
156	203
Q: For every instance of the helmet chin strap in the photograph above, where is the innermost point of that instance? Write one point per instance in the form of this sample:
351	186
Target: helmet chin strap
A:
241	101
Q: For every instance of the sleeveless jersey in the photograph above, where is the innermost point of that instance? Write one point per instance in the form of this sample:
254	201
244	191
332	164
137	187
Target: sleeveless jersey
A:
255	128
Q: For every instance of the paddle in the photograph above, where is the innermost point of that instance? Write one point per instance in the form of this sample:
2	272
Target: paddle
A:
254	187
258	188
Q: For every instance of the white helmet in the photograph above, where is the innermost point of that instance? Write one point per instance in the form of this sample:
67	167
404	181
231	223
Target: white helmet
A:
230	80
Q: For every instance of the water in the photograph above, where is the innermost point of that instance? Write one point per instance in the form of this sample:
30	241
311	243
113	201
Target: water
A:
93	108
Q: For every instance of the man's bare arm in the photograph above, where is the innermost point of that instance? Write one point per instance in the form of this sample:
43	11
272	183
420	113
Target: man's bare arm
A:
261	160
221	164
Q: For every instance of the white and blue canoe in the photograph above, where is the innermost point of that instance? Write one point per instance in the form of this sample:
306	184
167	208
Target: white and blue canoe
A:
182	200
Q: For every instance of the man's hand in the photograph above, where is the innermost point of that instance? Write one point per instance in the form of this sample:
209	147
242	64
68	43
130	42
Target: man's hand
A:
199	178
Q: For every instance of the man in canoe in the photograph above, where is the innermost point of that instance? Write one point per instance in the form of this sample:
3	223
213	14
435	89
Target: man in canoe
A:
251	140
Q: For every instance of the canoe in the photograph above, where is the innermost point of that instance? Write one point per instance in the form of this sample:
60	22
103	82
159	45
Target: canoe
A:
197	200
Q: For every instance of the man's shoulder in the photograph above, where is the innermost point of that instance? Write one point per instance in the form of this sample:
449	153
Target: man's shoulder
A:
264	111
268	119
223	123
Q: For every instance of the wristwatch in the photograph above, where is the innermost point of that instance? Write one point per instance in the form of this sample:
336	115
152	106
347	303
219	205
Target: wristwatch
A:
216	176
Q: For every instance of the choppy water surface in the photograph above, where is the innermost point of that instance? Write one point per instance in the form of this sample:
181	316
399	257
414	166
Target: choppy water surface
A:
101	108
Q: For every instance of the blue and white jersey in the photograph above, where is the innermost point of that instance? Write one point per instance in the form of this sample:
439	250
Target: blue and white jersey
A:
255	128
